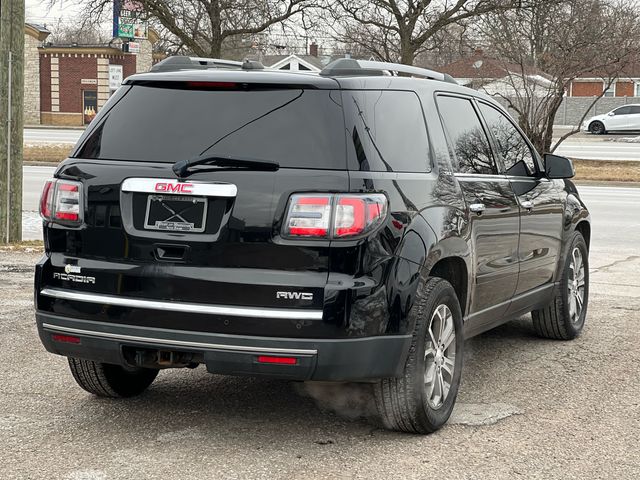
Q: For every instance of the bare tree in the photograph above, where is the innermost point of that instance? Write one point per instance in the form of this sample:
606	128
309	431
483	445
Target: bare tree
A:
548	44
399	30
205	27
70	33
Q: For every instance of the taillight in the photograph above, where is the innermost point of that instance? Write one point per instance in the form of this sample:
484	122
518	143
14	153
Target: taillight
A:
309	216
46	200
61	202
334	216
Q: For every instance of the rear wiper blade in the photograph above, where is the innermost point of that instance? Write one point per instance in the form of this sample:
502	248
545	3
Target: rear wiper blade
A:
181	168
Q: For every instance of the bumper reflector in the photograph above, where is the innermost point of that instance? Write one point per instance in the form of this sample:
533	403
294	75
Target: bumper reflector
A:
277	360
57	337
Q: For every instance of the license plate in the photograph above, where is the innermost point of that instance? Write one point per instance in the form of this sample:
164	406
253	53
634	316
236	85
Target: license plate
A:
173	213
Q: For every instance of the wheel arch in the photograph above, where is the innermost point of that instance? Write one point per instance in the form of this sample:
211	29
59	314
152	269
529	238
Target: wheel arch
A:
454	270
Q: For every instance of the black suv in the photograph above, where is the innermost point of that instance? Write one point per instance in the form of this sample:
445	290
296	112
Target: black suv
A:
352	225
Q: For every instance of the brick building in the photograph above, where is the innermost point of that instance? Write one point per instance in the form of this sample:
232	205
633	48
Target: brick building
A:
626	86
67	85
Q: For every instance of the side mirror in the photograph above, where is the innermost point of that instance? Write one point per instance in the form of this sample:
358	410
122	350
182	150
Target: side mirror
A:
611	114
558	167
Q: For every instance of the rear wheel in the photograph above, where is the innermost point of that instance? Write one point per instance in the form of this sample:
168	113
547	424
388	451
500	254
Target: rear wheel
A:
564	317
421	400
597	128
114	381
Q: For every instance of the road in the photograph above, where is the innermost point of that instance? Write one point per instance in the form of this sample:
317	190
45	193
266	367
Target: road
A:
528	408
51	135
600	150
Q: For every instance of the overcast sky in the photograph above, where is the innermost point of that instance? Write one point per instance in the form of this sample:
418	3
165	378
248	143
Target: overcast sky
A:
39	11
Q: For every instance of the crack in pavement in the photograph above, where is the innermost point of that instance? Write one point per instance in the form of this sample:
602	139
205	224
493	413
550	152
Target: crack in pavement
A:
617	262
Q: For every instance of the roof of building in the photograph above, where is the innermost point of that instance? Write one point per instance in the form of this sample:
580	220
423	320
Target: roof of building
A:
481	66
37	31
271	60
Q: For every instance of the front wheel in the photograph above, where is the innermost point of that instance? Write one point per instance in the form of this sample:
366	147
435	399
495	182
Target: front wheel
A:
113	381
564	317
421	400
597	128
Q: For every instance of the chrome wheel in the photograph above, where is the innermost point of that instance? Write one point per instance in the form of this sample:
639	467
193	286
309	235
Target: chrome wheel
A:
576	285
440	356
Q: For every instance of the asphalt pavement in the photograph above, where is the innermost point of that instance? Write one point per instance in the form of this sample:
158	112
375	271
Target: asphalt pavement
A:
51	135
527	408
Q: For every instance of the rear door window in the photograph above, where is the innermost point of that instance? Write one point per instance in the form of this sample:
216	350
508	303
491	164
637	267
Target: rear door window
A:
386	131
302	128
467	138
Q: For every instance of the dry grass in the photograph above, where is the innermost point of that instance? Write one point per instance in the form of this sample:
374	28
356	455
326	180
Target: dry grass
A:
607	171
26	246
46	153
593	170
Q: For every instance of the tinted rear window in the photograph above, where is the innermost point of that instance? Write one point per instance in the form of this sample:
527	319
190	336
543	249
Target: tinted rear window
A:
294	127
386	131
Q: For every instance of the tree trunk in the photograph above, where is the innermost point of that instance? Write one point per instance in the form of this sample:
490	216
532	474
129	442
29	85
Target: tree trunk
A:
407	51
11	40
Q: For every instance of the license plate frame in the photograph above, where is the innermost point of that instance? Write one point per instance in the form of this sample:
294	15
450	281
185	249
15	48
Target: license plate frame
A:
174	221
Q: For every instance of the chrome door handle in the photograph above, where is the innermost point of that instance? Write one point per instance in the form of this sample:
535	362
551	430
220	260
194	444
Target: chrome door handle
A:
477	208
528	204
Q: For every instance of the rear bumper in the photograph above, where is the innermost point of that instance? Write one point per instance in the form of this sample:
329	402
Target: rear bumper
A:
316	359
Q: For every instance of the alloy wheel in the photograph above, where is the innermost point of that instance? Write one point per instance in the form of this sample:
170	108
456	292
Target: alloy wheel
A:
576	285
440	356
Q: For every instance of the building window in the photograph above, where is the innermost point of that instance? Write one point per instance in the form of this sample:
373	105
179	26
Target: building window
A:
636	90
611	91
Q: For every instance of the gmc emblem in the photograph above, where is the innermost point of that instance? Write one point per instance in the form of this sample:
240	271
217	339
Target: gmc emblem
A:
174	187
294	295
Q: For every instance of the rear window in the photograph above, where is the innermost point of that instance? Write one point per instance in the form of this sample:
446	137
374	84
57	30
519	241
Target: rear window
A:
294	127
386	131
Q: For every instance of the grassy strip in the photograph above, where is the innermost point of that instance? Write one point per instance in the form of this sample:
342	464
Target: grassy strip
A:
46	153
607	171
595	170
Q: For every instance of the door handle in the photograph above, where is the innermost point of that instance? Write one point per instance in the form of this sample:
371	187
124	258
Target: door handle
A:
478	208
528	204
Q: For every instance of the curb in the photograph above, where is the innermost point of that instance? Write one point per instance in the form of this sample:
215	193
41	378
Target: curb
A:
53	127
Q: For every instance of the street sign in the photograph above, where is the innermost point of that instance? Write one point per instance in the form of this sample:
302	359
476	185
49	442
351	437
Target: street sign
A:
115	76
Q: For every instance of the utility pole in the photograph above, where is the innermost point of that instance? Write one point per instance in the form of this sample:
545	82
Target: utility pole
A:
11	120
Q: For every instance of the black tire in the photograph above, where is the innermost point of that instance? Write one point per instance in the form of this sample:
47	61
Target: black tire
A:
403	403
556	320
113	381
597	128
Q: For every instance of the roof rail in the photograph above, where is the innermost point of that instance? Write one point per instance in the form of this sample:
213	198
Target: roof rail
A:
351	67
180	62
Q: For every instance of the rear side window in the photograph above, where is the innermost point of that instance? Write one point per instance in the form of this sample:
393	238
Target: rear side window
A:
386	131
468	139
301	128
512	147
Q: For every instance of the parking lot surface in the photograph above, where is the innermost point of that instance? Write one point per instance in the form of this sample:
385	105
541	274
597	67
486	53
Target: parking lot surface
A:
528	408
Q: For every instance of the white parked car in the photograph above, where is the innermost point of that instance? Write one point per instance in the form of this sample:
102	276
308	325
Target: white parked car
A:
622	118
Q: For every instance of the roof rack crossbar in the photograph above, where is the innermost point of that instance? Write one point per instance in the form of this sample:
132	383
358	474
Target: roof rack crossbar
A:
370	67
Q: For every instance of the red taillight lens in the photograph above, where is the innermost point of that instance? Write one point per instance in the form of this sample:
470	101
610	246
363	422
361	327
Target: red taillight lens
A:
353	214
277	360
46	200
309	216
61	202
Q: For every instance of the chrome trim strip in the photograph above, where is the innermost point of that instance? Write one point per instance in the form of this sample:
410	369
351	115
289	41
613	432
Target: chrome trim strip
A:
481	177
180	343
287	314
167	186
